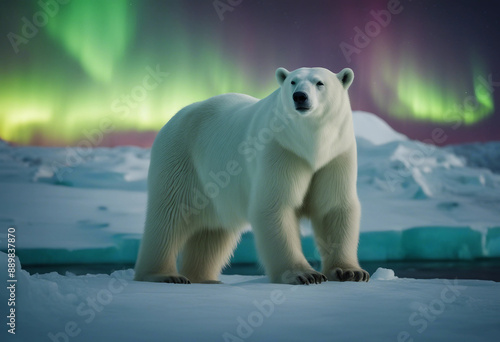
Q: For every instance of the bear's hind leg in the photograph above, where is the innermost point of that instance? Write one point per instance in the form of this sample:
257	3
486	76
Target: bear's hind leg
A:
158	252
206	253
171	179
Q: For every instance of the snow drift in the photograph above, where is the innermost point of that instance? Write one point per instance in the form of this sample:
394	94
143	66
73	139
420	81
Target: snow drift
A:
54	307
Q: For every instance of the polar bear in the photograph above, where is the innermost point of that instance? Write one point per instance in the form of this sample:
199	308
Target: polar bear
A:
233	160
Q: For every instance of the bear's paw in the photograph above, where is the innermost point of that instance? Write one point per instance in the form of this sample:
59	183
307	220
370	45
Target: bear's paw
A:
303	277
164	278
348	274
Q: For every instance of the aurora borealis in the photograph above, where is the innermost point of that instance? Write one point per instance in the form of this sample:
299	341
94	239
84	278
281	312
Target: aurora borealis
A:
426	96
84	30
433	65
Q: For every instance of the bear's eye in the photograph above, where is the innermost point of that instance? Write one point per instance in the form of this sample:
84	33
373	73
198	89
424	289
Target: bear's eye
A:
319	84
293	82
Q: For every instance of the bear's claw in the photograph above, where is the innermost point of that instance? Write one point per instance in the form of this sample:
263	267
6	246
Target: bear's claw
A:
339	274
305	278
162	278
176	280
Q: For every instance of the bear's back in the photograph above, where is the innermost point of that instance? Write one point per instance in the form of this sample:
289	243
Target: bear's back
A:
205	128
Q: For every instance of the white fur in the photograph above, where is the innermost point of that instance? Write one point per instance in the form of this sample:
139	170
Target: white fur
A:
281	163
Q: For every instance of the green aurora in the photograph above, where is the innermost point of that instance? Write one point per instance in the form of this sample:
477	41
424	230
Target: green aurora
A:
95	33
83	68
411	92
102	76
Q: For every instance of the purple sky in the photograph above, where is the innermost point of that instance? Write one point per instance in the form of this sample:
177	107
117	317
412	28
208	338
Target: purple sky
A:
427	54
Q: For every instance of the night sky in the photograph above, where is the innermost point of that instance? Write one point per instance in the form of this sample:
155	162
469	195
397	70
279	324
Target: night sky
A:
113	72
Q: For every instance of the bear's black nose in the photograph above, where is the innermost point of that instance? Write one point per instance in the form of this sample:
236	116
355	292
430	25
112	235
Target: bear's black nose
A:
299	97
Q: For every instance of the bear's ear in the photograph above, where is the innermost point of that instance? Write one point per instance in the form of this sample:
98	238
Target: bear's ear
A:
346	76
281	74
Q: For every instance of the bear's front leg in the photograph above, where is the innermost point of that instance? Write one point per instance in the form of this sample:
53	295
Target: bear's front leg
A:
337	236
278	188
278	243
335	212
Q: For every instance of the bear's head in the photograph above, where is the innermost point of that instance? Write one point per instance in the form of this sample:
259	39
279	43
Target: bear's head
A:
318	113
309	91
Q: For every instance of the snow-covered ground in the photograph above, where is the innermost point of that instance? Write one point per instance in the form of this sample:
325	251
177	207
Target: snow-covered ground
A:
86	205
53	307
